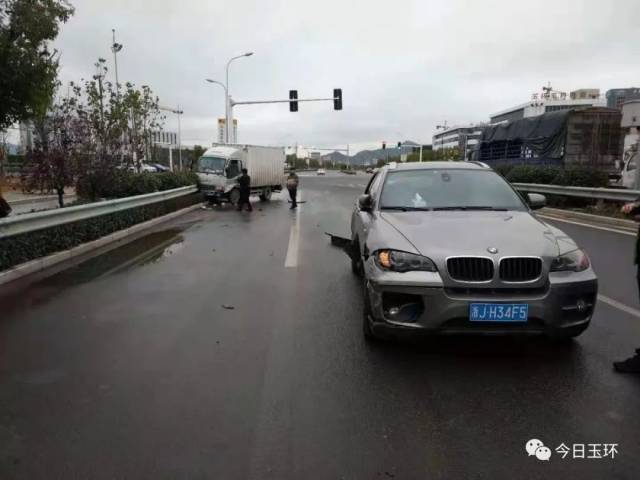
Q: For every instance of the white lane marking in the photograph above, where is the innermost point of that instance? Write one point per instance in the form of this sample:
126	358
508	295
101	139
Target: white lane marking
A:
606	229
620	306
291	260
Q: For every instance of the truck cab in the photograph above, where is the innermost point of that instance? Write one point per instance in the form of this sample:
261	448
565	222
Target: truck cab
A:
218	171
220	166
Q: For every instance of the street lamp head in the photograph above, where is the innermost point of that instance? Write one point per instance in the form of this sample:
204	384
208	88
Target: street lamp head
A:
248	54
209	80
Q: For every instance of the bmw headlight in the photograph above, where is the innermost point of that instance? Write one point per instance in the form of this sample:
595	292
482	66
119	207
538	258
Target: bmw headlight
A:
398	261
574	261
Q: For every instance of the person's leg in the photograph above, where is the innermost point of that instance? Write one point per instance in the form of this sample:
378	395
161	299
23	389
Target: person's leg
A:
293	193
631	365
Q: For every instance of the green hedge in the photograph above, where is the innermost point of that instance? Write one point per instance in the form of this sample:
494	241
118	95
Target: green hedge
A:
122	183
571	176
22	248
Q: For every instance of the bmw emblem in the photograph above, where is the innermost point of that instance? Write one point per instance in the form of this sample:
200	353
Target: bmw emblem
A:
492	250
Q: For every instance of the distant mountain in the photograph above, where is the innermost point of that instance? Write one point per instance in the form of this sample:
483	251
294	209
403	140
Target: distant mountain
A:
371	157
336	157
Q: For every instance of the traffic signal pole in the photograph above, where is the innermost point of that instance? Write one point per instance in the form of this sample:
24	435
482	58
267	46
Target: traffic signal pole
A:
293	101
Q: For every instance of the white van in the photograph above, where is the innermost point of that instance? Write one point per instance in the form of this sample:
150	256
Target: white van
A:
220	166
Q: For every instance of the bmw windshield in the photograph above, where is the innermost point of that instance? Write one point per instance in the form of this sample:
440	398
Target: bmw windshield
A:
448	189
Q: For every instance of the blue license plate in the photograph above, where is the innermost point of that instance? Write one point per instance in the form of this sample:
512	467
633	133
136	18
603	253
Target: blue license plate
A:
498	312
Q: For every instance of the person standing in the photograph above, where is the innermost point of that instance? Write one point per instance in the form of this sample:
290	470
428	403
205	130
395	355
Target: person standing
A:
5	208
292	186
245	191
632	364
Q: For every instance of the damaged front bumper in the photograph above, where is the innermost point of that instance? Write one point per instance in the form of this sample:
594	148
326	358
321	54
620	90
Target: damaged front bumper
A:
420	302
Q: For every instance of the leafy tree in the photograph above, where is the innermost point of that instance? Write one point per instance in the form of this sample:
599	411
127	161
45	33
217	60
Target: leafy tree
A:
122	124
146	119
29	68
52	164
196	153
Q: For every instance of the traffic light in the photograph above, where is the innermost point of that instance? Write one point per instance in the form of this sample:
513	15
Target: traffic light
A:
337	99
293	95
384	145
399	144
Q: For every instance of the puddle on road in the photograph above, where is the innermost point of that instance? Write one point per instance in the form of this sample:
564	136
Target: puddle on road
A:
145	250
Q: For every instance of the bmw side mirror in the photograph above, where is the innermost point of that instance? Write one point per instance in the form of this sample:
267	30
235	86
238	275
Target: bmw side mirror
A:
537	201
365	202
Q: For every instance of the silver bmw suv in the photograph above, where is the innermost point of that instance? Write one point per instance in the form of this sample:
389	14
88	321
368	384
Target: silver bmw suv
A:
451	247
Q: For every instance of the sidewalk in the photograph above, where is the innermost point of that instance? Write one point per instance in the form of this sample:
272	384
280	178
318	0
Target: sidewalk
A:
16	197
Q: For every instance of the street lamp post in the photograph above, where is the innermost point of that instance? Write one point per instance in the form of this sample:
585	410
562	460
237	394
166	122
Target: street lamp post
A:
228	108
179	112
115	48
226	99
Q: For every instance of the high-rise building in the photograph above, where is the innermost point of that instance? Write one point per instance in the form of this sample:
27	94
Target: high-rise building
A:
617	96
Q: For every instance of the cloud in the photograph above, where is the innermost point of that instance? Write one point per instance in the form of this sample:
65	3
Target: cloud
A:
404	66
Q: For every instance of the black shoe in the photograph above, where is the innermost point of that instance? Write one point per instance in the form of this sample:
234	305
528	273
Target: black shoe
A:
630	365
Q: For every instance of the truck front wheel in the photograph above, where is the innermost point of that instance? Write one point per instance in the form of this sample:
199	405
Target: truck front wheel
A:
265	196
234	196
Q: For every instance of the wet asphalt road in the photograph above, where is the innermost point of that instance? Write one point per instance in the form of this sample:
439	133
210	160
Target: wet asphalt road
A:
129	366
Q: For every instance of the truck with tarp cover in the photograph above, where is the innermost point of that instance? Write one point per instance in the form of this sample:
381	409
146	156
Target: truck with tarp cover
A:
586	137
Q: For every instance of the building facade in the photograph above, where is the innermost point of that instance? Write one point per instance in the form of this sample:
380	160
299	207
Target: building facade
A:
550	101
617	96
464	138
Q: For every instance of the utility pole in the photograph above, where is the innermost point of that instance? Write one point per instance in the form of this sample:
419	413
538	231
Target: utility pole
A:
442	127
115	48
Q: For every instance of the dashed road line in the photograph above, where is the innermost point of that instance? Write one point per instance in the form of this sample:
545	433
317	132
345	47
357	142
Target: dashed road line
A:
582	224
620	306
291	260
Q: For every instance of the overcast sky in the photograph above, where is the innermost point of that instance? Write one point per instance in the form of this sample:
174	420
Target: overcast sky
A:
404	66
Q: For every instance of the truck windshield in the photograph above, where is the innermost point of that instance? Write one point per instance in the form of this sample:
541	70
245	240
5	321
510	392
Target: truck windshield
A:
213	165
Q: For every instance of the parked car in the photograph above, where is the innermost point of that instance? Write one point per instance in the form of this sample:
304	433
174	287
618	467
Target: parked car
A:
452	247
160	168
321	171
369	170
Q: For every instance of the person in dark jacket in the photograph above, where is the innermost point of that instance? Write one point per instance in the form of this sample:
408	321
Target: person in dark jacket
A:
632	364
5	208
292	186
245	190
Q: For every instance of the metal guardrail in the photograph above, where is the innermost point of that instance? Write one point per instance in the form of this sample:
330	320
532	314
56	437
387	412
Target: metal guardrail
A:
615	194
29	222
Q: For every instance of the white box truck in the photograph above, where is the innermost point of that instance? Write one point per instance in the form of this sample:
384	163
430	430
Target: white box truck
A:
221	165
